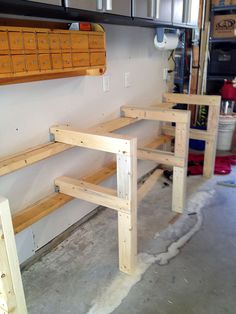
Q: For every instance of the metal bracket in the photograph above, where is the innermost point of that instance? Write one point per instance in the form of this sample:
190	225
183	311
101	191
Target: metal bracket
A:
51	137
57	189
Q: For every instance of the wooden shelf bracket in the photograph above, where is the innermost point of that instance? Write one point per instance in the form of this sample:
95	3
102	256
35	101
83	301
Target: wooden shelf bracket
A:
124	200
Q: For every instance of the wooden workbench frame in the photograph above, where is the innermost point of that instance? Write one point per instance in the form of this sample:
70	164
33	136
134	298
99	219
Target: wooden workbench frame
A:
210	135
179	158
12	298
124	200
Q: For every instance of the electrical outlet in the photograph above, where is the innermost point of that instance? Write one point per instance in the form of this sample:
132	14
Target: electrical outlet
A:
127	79
106	83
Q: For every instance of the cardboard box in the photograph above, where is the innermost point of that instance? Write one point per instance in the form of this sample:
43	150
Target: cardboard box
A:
224	26
221	2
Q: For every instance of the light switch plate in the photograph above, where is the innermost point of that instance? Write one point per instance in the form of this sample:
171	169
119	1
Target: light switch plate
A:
127	79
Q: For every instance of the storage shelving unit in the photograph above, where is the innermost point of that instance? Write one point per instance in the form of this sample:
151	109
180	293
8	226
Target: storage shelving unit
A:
215	81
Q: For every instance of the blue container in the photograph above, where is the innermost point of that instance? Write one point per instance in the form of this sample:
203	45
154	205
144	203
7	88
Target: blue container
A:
197	144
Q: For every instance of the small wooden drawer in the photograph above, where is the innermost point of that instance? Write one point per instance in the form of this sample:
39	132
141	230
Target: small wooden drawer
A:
67	60
3	41
29	41
5	64
79	42
96	42
54	41
44	62
80	59
97	58
31	63
43	41
16	40
56	61
18	62
65	41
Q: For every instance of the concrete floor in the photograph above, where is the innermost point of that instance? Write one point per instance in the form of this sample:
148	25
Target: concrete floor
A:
81	275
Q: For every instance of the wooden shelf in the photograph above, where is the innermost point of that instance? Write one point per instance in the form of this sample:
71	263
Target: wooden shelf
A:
35	154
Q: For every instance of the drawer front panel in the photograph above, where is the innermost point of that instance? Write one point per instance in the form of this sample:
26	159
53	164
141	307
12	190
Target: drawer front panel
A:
67	60
97	58
3	41
16	40
29	41
43	41
79	41
18	62
31	63
5	64
65	41
96	42
44	62
57	61
54	41
80	59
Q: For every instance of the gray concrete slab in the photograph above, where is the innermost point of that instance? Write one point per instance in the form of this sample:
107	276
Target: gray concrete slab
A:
81	275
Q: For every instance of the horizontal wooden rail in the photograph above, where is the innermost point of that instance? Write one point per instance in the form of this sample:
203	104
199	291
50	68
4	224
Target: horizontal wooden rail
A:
92	193
28	157
205	100
161	157
110	143
47	205
193	134
151	113
149	184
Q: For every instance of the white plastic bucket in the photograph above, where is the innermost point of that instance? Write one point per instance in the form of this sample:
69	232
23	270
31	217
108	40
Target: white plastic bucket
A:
225	132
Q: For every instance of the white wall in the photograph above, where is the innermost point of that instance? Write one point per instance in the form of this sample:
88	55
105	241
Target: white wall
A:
28	110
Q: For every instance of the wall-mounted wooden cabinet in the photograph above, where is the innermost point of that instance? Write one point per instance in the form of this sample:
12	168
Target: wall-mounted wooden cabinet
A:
27	53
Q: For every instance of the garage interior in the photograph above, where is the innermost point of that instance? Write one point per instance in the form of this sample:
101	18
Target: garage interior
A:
117	156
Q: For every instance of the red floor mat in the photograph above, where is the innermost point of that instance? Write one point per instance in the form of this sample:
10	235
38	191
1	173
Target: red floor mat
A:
222	165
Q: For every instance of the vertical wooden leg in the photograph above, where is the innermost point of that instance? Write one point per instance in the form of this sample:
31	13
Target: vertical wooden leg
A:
127	222
180	173
7	296
179	189
209	159
210	148
12	298
127	233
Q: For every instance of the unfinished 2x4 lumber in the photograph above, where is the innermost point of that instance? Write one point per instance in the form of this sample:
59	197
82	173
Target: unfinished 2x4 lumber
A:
210	144
206	100
110	143
149	184
161	157
159	114
92	193
209	136
127	222
180	173
182	120
12	298
193	134
124	200
47	205
28	157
